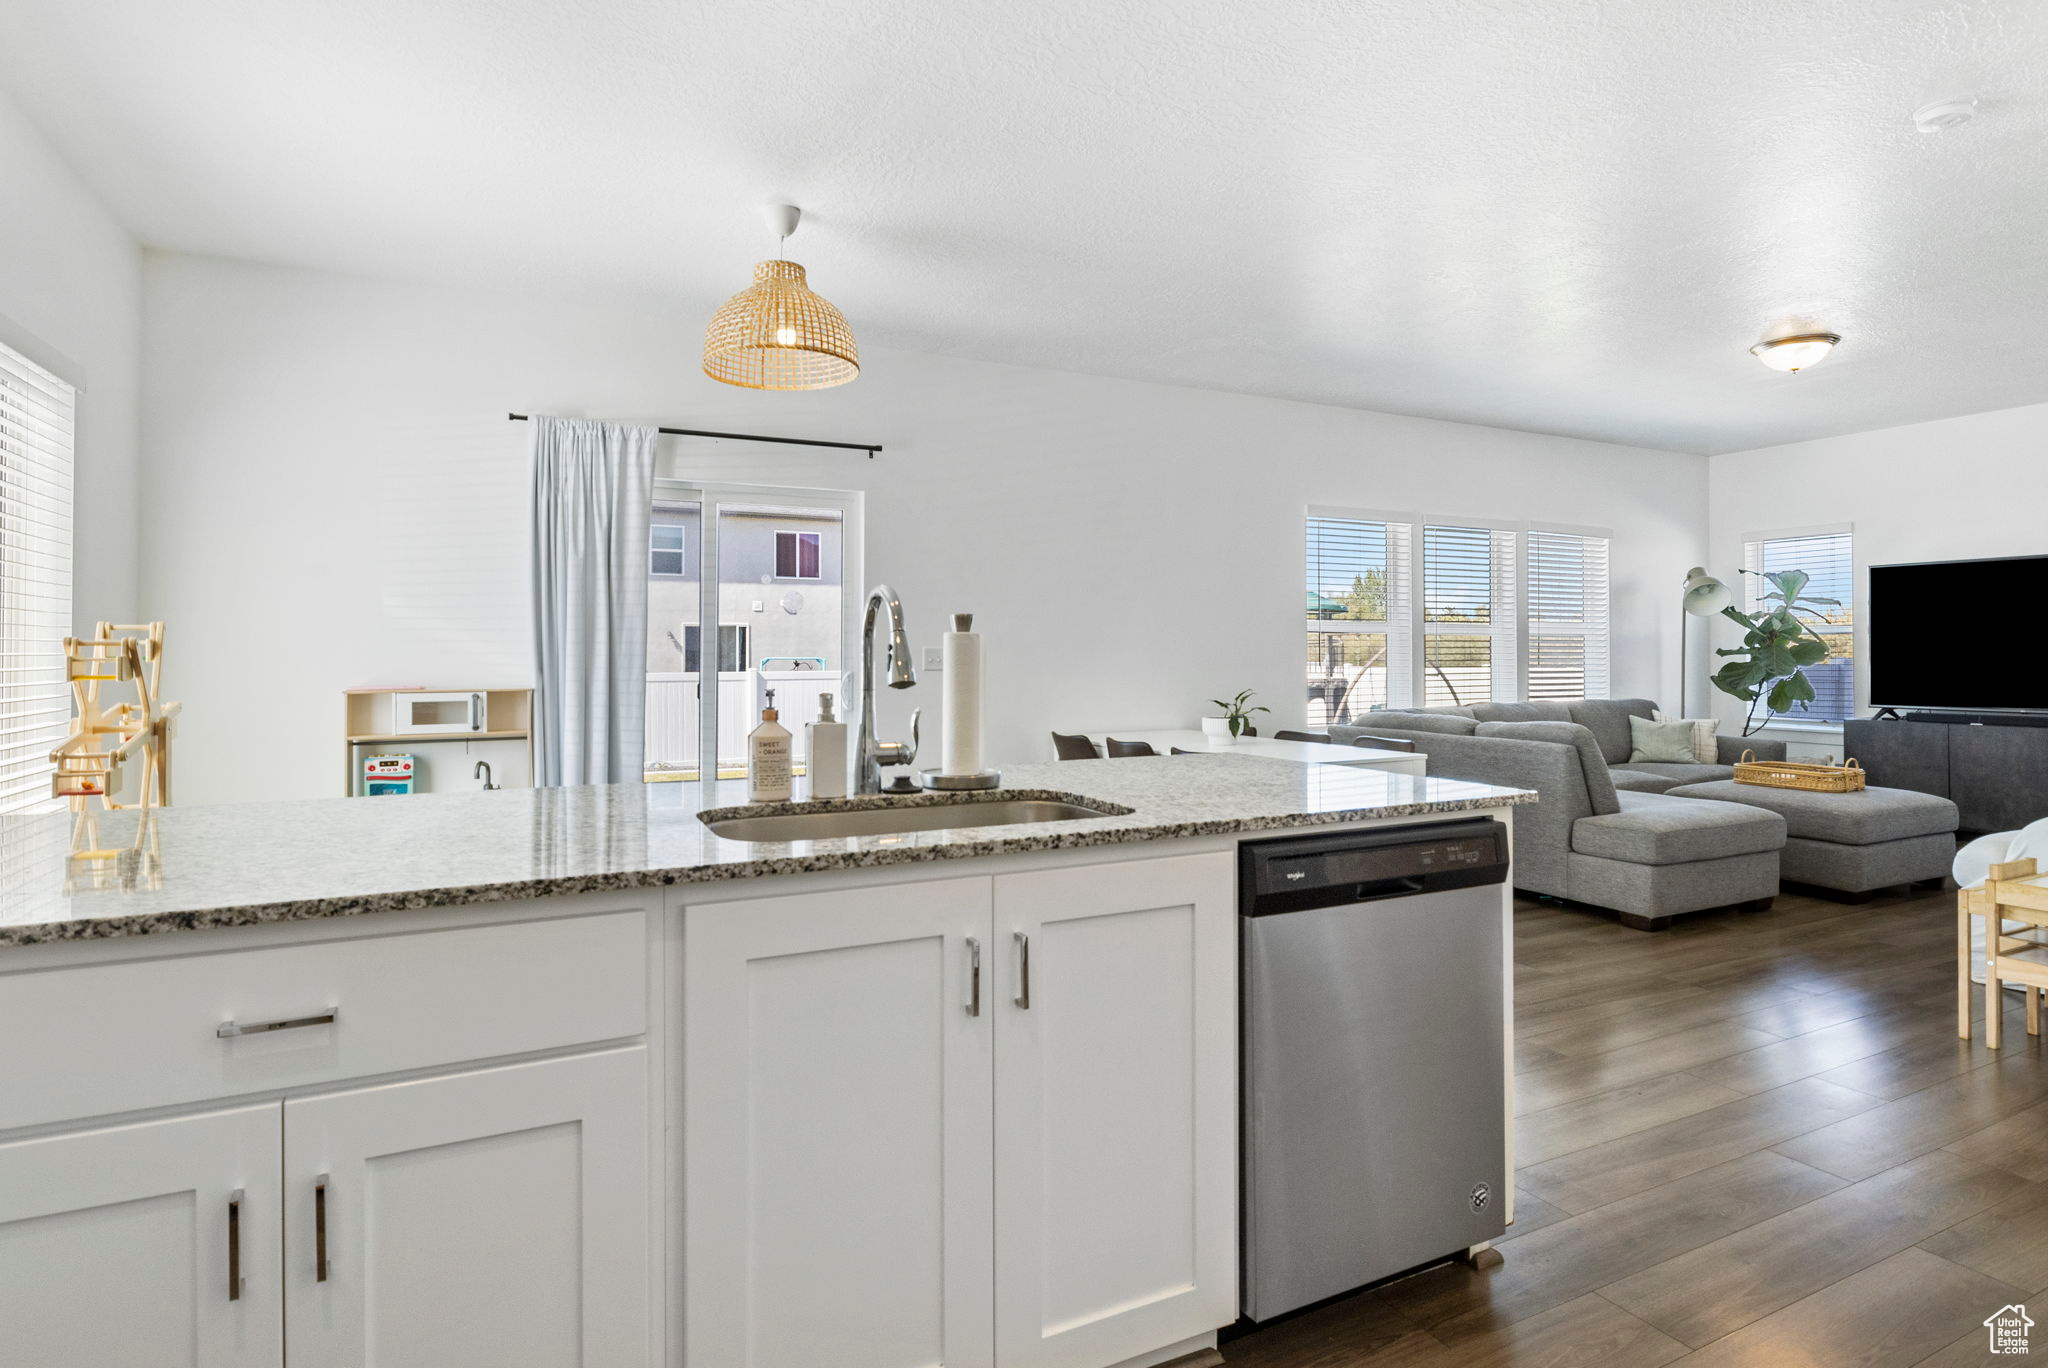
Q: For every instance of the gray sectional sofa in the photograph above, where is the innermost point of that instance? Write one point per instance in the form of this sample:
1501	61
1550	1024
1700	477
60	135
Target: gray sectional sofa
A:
1605	832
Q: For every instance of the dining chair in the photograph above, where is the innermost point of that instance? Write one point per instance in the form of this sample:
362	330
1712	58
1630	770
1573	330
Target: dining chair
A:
1122	750
1322	737
1074	747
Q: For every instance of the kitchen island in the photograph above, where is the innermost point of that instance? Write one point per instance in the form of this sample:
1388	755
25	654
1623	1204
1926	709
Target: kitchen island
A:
559	1076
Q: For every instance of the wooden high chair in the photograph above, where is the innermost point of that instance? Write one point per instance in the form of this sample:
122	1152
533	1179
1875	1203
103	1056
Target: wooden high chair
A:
2014	891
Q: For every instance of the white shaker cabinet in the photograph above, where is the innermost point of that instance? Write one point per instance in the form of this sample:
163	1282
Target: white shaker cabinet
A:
896	1155
1116	1109
143	1246
836	1129
494	1219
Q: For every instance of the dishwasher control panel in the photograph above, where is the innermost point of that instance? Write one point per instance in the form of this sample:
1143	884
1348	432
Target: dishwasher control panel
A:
1299	872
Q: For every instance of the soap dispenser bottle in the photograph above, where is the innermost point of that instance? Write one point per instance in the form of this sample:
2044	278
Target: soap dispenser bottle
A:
768	758
825	745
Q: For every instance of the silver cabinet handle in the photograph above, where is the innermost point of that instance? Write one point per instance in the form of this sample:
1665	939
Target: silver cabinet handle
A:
1023	970
476	712
227	1030
974	977
235	1245
320	1228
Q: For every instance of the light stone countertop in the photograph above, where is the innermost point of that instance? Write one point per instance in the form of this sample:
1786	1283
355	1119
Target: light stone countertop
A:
243	863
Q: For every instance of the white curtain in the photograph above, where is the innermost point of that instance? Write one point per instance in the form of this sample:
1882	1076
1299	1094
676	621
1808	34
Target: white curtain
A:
592	483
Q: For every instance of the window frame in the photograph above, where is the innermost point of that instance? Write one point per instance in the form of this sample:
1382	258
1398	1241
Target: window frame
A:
796	560
1596	660
1510	628
681	551
1754	553
38	498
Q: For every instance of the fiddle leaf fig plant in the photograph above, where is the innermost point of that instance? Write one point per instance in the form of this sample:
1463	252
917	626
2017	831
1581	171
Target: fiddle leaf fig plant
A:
1777	645
1235	711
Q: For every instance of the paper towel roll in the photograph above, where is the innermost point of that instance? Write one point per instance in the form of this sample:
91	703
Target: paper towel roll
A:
960	698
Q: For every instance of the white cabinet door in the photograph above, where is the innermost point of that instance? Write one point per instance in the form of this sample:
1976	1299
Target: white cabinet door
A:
494	1219
145	1246
1116	1109
836	1143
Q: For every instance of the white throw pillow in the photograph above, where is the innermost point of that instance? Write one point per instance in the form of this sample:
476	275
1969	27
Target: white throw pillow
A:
1706	750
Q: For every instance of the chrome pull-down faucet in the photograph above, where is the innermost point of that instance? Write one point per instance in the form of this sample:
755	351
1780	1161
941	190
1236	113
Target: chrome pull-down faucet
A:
875	754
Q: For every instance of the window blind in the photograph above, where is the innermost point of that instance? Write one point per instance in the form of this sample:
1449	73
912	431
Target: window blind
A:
1468	616
1565	578
1359	618
36	418
1827	555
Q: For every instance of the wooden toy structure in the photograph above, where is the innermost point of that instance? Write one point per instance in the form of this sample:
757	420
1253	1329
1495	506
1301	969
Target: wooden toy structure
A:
104	737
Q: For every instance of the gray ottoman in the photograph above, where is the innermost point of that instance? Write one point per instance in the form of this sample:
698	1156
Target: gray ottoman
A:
1851	842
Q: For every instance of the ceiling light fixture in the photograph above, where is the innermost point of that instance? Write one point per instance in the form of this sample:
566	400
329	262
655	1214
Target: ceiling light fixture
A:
1937	116
777	334
1795	353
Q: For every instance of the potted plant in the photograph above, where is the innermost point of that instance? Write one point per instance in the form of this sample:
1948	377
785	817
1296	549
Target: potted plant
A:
1225	727
1776	646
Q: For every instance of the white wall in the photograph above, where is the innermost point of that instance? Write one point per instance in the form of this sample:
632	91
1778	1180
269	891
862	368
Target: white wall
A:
1947	490
335	498
70	300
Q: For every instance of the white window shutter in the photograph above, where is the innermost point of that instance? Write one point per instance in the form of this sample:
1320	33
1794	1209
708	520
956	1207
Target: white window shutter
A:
1827	555
1359	616
1566	576
37	411
1469	618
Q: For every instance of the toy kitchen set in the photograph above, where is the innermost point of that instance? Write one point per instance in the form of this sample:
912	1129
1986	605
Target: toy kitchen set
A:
417	740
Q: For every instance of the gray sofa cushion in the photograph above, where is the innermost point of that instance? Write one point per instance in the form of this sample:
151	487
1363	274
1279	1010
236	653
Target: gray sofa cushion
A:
1599	788
1448	723
1729	749
1657	829
1630	779
1681	773
1607	719
1875	814
1544	710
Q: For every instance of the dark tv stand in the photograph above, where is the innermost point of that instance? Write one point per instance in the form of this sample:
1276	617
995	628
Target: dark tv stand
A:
1994	766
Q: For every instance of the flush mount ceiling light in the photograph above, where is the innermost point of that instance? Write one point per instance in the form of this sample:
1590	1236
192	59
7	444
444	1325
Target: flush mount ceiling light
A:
776	334
1937	116
1795	353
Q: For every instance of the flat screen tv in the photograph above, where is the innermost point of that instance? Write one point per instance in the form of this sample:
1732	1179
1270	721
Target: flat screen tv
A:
1953	634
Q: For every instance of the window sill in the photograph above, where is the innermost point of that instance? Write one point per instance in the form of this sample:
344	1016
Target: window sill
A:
1806	728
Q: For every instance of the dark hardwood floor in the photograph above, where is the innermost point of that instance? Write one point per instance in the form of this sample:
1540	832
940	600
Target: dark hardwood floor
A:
1749	1140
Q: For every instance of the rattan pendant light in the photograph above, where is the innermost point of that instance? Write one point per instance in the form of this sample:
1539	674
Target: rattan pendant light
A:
776	334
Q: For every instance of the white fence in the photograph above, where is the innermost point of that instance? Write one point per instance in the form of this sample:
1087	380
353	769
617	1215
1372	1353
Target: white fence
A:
674	714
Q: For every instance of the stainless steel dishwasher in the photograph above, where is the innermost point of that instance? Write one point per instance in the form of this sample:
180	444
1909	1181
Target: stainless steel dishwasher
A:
1374	1092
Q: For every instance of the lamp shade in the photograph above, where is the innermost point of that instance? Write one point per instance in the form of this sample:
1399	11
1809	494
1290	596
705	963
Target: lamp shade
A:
778	335
1705	595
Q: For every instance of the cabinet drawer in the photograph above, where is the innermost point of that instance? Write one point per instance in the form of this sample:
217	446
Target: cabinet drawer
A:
99	1039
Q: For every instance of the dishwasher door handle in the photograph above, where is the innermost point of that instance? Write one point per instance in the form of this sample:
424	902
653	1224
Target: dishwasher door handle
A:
1386	888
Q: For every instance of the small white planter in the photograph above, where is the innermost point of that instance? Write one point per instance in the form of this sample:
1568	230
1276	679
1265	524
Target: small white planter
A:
1217	729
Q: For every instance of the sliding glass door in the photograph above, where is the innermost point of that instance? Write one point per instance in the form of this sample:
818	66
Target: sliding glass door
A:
750	589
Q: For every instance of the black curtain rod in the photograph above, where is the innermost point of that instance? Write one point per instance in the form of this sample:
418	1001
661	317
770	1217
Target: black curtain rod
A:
748	437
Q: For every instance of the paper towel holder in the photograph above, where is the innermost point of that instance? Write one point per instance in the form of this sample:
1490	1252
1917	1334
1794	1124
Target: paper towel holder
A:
960	783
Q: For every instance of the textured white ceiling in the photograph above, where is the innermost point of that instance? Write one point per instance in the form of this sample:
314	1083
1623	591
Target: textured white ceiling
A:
1565	215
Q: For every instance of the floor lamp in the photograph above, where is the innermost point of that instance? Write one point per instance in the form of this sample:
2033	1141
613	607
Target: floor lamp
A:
1704	597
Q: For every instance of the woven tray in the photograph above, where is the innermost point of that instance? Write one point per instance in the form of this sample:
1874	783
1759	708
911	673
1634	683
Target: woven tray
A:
1846	777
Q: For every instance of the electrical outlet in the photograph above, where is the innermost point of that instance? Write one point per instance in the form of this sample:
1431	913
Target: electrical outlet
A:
934	657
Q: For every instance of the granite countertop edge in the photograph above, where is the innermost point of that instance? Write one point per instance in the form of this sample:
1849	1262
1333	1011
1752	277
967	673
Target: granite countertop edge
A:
108	927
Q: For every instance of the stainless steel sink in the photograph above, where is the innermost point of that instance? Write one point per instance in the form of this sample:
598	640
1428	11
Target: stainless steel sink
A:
834	823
